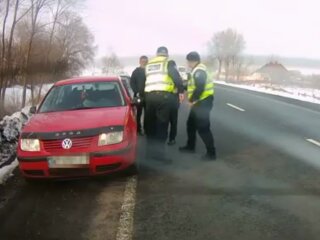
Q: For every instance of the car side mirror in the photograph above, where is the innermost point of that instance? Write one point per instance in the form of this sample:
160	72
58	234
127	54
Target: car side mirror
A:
33	110
136	101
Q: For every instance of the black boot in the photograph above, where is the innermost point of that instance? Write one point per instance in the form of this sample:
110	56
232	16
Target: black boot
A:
187	149
209	156
140	132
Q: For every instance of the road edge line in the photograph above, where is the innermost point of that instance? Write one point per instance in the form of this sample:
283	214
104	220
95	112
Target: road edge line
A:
125	228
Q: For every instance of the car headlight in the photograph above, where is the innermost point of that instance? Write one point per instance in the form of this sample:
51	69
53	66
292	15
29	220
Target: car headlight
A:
110	138
30	145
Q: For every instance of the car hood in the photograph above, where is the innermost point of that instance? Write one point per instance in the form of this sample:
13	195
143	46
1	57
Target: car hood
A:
76	120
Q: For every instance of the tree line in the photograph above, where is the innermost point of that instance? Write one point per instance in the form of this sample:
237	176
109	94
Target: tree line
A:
41	41
226	48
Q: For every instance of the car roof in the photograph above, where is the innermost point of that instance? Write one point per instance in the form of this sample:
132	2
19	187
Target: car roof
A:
77	80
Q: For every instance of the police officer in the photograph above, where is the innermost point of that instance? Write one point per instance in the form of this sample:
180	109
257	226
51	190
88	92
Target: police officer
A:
200	96
137	83
162	77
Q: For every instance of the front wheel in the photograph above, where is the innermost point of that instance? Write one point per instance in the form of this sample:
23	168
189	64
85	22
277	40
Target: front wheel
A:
132	169
34	181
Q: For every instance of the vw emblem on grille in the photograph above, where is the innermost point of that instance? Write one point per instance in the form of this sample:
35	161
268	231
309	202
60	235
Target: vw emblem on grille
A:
66	143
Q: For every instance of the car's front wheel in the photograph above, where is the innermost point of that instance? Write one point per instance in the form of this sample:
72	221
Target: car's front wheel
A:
133	169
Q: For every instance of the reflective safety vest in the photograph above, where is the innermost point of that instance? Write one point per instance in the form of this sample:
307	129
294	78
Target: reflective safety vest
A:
209	87
157	76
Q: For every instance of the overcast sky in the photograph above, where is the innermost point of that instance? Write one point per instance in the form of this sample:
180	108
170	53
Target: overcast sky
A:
270	27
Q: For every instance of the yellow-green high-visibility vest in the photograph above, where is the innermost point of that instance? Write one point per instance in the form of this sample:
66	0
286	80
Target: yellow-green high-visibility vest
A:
209	88
157	76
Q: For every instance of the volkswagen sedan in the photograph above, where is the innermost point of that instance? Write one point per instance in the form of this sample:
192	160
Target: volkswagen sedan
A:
83	127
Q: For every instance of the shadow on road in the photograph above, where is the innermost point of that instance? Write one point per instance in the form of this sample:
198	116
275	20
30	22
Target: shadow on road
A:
68	209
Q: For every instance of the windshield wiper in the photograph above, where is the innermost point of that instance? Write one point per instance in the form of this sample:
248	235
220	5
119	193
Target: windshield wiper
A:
80	108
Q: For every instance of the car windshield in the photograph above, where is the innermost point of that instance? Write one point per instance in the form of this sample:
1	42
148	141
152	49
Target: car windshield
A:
83	96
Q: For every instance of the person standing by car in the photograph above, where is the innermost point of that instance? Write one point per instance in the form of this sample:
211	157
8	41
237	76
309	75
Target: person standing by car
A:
137	83
162	79
200	96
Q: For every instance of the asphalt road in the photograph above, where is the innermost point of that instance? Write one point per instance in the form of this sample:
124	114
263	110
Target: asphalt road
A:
264	185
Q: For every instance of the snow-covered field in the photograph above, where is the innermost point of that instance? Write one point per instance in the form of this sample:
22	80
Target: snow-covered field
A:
305	71
10	128
302	94
98	71
14	94
6	171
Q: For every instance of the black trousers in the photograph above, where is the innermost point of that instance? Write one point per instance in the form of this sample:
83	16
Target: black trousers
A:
140	108
199	121
157	115
174	117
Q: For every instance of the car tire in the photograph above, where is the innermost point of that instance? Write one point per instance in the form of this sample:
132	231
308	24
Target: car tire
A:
31	181
132	170
36	181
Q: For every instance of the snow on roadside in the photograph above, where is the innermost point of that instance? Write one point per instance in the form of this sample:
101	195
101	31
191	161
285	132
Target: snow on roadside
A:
6	171
10	128
302	94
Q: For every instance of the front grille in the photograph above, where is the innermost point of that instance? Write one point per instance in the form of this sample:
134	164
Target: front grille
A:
34	172
77	144
65	172
110	167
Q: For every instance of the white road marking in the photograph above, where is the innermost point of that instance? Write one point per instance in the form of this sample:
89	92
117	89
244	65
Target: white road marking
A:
313	142
235	107
125	228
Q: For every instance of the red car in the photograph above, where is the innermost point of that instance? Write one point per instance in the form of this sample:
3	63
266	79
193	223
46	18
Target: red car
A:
83	127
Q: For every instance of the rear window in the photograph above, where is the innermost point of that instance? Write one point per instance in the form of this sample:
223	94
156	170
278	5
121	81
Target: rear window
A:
83	96
126	83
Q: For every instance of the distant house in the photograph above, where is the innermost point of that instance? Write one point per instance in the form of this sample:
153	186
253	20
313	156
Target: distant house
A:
256	76
272	72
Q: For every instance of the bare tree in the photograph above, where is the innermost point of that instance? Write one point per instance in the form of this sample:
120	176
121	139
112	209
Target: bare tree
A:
238	63
226	46
111	65
3	48
76	42
274	58
37	6
211	62
41	41
9	64
58	9
4	25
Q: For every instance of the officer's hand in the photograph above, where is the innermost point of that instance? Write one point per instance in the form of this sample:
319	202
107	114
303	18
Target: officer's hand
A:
181	97
190	104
